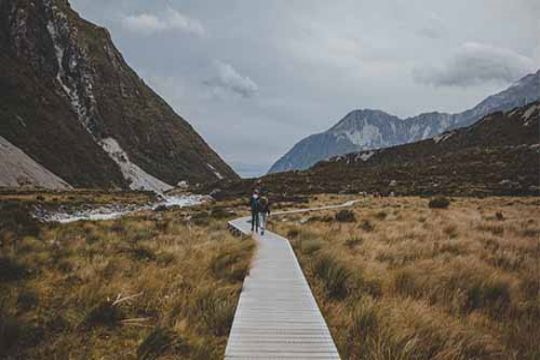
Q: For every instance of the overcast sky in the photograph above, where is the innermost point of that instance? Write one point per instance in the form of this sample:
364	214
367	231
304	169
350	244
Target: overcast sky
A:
255	76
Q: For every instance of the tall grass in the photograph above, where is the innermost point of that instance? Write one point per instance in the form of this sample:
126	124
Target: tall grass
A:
148	286
408	282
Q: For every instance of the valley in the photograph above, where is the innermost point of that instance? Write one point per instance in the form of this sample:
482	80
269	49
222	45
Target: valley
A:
125	235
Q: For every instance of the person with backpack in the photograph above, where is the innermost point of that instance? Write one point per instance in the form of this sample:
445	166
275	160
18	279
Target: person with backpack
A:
264	212
254	205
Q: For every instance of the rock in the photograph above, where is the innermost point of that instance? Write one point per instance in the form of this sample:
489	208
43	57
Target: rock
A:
182	185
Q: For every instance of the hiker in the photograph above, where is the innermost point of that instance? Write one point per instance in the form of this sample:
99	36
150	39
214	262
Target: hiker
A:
264	212
258	187
254	205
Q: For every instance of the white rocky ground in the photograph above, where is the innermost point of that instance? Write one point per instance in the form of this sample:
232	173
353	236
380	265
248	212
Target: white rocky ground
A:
114	211
18	169
138	178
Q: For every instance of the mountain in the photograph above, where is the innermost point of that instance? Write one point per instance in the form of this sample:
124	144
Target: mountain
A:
373	129
70	103
497	155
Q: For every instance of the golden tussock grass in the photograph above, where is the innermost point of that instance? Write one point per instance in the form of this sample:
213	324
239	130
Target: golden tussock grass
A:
151	285
403	281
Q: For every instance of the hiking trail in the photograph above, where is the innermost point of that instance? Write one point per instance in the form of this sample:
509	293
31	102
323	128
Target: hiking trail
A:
277	316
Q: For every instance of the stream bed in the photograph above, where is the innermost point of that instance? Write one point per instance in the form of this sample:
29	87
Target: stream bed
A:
66	215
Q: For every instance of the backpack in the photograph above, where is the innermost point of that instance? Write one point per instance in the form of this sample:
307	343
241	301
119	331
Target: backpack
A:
263	203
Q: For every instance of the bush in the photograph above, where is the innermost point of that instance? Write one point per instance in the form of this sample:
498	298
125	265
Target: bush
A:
10	270
104	314
367	226
229	266
335	275
293	233
16	219
405	284
310	246
493	296
220	213
27	300
364	318
159	342
201	218
142	253
324	219
160	208
10	333
215	310
345	216
439	202
353	242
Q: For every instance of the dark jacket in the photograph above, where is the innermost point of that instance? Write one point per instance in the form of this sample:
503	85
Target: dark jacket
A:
254	204
264	204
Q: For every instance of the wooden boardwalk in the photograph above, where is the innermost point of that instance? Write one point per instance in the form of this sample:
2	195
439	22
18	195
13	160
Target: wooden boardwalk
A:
277	316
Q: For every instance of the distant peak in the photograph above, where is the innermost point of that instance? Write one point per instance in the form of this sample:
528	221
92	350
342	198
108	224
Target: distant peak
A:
528	78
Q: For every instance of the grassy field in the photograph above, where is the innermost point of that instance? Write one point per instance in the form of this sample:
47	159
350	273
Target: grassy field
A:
151	285
396	279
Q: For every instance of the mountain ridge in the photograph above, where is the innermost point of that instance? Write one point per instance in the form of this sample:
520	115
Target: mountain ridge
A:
371	129
497	155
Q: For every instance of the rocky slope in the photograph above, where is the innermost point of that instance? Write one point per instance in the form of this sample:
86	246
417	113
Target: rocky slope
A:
498	155
70	102
18	169
373	129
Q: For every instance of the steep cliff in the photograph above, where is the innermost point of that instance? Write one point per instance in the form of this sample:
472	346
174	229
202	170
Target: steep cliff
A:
70	102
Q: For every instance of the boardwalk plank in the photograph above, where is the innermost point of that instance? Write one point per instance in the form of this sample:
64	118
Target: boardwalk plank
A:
277	316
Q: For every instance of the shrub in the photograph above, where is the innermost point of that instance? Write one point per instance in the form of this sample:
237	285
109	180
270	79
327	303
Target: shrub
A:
105	314
16	219
161	341
335	275
142	253
160	208
493	296
324	219
404	283
364	318
310	246
201	218
118	227
229	266
10	270
345	216
367	226
11	332
27	300
219	213
353	242
293	233
439	202
215	310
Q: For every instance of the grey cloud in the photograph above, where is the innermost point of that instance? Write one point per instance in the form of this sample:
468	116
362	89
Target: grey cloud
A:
168	20
228	80
433	28
475	64
304	64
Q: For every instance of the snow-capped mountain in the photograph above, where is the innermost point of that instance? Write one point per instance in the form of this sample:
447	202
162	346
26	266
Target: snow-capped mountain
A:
372	129
71	104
